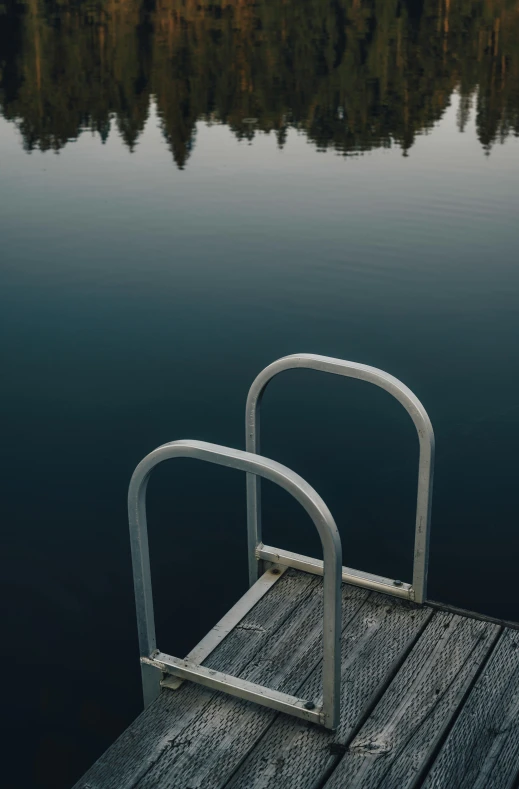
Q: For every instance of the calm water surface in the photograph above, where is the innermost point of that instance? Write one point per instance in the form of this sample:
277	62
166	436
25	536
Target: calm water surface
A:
187	192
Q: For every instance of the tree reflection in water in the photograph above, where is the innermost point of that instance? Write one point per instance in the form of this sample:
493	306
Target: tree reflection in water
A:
351	74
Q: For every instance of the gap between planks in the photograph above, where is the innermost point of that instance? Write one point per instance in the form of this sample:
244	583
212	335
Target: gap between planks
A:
203	746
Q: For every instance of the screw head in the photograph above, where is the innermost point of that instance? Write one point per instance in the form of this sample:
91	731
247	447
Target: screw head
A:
397	583
309	705
275	571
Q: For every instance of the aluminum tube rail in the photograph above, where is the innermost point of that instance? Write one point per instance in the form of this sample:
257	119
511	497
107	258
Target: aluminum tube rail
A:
404	396
332	552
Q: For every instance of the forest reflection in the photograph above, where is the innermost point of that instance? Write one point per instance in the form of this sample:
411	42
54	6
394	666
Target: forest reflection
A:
352	75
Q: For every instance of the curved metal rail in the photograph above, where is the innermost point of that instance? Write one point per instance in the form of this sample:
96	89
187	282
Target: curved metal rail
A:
259	552
152	659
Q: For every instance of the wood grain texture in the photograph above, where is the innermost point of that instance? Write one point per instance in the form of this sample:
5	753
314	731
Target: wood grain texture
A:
395	746
482	750
208	752
141	745
375	643
429	699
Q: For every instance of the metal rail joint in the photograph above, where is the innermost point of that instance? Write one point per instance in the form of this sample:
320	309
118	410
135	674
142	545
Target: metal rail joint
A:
258	552
153	662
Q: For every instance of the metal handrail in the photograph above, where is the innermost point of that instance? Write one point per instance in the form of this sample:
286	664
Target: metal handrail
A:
257	551
151	659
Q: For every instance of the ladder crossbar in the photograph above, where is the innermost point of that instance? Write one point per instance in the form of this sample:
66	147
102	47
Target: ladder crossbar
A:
250	691
377	583
421	422
332	552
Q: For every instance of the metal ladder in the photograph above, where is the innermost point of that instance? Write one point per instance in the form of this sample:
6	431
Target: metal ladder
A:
259	552
155	663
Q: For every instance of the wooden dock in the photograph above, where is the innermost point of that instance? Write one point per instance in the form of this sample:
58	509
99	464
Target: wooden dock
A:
429	698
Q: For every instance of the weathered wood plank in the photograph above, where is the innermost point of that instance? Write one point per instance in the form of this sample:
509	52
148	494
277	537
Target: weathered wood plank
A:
396	744
406	672
208	752
141	745
382	628
482	750
295	754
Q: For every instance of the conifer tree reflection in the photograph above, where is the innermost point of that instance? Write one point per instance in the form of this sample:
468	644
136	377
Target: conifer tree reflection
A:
352	75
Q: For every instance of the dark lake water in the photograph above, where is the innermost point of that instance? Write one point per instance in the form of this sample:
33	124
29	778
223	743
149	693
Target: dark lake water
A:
187	192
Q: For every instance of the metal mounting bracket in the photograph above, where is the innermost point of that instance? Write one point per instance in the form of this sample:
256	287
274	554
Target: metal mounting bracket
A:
259	552
153	662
